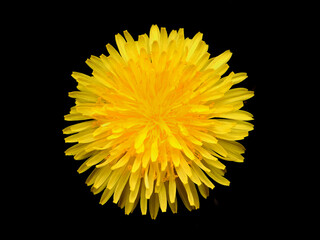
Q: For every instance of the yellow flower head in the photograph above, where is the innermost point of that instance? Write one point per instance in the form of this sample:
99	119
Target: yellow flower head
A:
159	117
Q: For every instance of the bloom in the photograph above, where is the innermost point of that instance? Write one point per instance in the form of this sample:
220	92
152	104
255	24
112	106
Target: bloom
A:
159	117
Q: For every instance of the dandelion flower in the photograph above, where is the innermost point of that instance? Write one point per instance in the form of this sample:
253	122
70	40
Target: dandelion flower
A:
157	116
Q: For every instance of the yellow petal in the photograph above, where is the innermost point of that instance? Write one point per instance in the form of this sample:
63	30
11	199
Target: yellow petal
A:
163	198
235	157
163	158
194	140
102	176
75	117
146	178
75	149
82	78
204	153
204	190
140	149
222	126
121	43
154	34
82	137
114	53
239	77
143	200
175	157
199	108
82	155
117	130
107	194
237	94
218	149
114	136
183	195
123	161
143	43
141	137
146	158
206	137
185	166
221	108
151	175
182	175
192	195
220	60
103	128
84	167
186	150
114	177
121	184
211	97
215	163
83	97
183	130
163	39
134	193
154	206
238	115
154	151
134	178
194	178
92	177
214	174
189	194
202	176
201	165
137	163
234	134
174	142
232	146
97	158
240	125
172	190
194	44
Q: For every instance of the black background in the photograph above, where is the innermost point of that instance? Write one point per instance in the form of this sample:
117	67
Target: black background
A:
242	204
271	193
249	206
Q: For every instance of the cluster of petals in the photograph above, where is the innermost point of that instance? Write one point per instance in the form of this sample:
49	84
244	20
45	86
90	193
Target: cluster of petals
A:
157	116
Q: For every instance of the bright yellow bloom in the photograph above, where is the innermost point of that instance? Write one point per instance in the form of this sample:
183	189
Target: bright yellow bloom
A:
159	117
